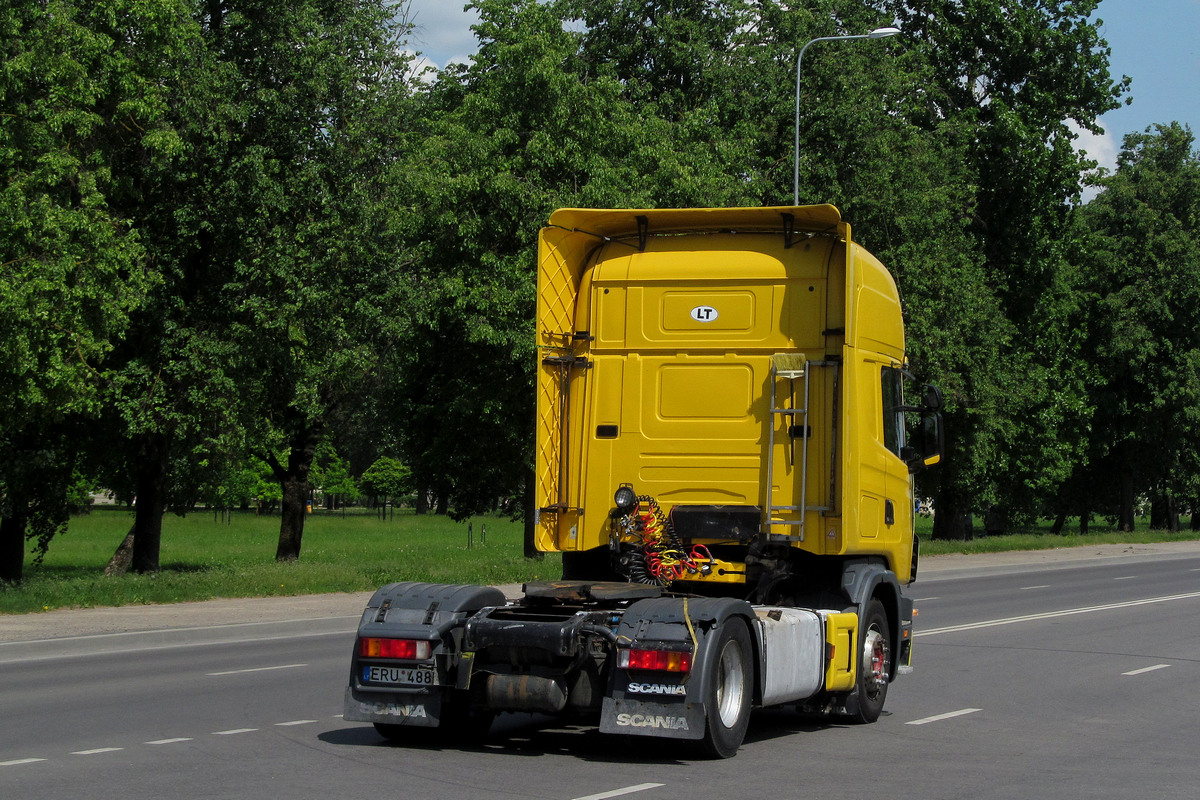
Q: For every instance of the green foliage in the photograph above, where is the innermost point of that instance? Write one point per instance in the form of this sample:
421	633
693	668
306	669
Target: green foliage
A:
1143	265
387	477
331	474
83	89
241	234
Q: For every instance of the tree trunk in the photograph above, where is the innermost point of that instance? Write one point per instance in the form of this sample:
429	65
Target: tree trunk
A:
1195	515
994	521
952	518
1126	521
151	476
12	549
293	480
121	559
1059	522
1164	513
291	525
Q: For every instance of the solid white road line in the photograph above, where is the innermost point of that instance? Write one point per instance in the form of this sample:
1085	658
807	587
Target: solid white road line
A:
991	623
940	717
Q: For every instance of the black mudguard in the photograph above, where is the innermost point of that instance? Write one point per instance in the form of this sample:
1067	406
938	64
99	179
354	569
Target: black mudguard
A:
661	703
428	611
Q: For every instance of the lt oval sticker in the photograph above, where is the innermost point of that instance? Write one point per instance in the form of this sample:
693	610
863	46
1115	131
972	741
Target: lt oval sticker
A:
704	314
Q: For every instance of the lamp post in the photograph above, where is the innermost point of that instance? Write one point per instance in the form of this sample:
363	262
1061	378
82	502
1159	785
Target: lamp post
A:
878	33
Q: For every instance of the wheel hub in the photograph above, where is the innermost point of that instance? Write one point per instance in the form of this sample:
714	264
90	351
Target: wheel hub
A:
875	660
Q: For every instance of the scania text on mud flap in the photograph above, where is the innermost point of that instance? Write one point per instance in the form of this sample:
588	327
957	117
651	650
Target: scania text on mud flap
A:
723	461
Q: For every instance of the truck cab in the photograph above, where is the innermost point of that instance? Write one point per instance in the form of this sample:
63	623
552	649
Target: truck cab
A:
722	460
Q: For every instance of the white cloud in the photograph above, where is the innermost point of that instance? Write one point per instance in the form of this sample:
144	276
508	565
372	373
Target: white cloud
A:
1101	148
442	31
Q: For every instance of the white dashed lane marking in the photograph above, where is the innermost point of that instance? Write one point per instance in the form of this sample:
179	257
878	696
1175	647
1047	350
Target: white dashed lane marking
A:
16	762
1146	669
948	715
255	669
641	787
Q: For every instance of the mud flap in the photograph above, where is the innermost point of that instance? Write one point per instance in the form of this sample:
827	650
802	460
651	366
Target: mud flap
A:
422	709
425	612
666	704
680	720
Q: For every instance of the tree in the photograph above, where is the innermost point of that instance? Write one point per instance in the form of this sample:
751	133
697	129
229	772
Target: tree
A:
386	478
316	268
1144	268
270	235
83	88
331	475
952	155
1003	82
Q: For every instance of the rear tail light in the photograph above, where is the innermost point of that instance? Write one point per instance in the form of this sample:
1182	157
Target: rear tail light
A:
407	649
659	660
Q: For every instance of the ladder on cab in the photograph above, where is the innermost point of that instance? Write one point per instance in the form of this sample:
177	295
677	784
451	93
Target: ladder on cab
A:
792	367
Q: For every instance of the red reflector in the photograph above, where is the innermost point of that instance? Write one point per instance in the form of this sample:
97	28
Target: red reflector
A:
409	649
660	660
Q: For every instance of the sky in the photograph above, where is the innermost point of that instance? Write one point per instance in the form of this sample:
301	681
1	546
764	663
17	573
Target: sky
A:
1154	42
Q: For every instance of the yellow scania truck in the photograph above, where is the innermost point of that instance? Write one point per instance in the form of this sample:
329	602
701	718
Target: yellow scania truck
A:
723	461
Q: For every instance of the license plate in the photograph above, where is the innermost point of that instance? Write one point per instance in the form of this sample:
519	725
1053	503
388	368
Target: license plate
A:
400	676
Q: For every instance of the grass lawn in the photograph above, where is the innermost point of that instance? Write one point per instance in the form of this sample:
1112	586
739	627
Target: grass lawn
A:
203	557
1039	537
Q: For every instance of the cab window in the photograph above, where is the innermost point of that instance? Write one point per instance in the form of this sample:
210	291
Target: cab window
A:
893	417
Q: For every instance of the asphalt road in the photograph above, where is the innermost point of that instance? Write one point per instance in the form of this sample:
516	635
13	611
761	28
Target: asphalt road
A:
1044	675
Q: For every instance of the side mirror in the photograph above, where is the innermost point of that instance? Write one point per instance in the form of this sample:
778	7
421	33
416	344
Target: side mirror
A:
933	438
931	397
929	443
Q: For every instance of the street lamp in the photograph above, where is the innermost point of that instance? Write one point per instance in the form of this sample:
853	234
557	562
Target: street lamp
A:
878	33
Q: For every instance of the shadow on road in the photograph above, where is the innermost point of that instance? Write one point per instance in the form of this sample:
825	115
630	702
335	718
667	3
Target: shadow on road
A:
533	735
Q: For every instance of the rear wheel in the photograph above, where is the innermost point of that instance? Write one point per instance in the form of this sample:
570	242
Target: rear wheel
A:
460	723
394	733
727	703
874	664
464	724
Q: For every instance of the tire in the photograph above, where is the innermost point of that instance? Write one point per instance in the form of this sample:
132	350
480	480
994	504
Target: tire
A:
462	723
728	695
874	664
395	733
